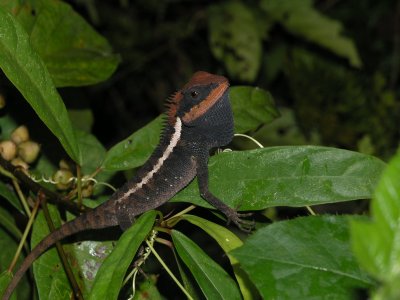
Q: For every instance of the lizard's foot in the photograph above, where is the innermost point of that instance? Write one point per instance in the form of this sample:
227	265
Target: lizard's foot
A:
235	217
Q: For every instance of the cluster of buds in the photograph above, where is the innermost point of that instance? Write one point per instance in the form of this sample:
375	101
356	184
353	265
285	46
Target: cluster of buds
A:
64	180
19	149
63	176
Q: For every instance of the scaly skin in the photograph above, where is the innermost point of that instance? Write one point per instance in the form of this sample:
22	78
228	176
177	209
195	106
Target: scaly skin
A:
199	118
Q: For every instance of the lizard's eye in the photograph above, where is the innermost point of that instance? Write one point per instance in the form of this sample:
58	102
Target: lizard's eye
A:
194	94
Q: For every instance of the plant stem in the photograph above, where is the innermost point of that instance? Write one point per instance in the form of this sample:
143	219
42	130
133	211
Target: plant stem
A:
24	236
63	257
168	271
21	197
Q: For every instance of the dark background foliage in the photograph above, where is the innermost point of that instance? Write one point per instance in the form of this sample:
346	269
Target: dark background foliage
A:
334	103
332	67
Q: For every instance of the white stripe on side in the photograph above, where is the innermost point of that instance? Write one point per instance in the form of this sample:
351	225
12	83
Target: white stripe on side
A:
174	140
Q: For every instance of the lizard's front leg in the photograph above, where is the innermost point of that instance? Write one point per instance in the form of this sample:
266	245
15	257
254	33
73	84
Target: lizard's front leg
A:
231	214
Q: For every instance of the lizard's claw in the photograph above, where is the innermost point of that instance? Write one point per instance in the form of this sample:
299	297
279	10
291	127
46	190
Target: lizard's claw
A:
244	225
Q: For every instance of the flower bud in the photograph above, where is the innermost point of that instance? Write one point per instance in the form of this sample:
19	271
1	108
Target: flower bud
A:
20	134
28	151
87	191
8	150
63	164
62	177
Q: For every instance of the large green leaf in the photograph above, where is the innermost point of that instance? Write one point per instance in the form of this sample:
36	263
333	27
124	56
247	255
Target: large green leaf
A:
88	257
235	38
211	278
26	70
300	18
51	279
73	52
227	241
109	278
305	258
377	244
288	176
134	150
251	107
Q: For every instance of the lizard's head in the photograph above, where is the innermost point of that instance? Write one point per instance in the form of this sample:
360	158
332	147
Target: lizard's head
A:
197	97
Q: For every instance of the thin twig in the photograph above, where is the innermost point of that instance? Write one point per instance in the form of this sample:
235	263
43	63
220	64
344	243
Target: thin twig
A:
21	197
169	271
79	184
311	211
24	236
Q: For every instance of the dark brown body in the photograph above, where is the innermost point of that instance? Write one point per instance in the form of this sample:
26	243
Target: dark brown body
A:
199	118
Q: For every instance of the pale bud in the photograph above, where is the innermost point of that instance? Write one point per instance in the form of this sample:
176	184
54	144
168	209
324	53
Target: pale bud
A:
20	134
28	151
8	150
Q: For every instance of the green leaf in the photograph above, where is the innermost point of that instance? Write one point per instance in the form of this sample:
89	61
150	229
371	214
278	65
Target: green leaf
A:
212	279
10	196
288	176
300	18
73	52
82	119
376	244
8	223
88	256
228	241
224	237
304	258
240	50
109	278
26	70
5	278
148	290
85	257
51	280
8	246
188	284
93	152
134	150
251	107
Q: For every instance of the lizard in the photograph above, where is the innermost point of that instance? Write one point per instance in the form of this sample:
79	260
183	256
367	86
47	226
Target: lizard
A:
198	118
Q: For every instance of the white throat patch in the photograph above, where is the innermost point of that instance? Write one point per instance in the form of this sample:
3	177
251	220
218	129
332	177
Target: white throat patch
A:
174	140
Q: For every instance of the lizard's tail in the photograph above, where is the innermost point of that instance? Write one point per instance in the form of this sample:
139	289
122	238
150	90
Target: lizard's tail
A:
95	219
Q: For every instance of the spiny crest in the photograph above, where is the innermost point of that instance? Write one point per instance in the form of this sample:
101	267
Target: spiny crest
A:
172	104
